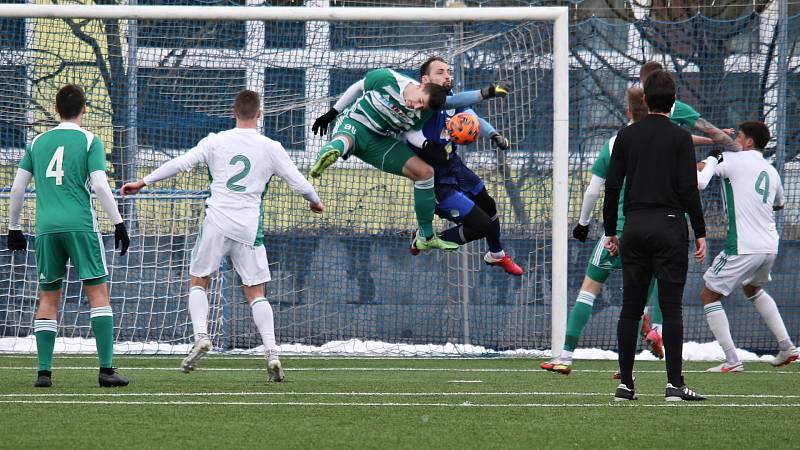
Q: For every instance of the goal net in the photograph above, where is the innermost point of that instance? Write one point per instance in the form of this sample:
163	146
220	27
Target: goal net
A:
158	80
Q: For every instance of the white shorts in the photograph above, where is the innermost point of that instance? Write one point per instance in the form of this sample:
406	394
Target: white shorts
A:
728	272
250	262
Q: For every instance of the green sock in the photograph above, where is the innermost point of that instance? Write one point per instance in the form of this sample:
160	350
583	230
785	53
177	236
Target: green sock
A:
424	205
337	144
655	308
103	329
577	319
45	331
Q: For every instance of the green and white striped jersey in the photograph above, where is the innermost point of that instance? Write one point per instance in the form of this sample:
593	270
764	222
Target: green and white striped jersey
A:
382	109
61	160
750	188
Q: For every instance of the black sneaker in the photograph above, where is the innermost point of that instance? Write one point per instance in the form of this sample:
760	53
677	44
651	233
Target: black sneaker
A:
624	393
110	378
680	394
44	379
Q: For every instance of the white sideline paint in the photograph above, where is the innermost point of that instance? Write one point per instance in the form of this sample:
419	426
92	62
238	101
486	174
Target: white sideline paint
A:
382	369
443	405
362	394
692	351
465	381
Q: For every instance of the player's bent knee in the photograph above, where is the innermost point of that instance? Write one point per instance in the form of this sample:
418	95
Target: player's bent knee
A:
199	282
417	170
709	296
486	202
475	225
750	290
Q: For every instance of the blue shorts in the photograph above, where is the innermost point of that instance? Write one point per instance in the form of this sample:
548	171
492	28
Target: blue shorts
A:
455	185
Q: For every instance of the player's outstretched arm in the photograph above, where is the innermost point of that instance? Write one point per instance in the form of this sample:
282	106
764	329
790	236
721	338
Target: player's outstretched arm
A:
717	135
488	131
349	96
182	163
467	98
285	168
590	197
16	240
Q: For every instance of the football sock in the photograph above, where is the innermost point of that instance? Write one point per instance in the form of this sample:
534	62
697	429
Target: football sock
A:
45	331
497	255
766	306
424	205
493	236
262	316
656	318
198	311
718	322
566	356
103	329
577	319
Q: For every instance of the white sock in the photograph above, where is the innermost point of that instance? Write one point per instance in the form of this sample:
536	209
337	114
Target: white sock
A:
657	327
766	306
566	355
198	312
718	322
498	255
262	316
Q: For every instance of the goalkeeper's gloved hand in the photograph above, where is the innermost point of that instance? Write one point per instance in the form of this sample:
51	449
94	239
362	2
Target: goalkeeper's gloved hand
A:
580	232
16	240
121	235
716	153
500	89
434	152
322	122
499	141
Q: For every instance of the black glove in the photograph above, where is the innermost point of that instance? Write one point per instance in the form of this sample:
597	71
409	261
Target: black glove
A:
499	141
716	153
580	232
16	240
121	235
500	89
322	122
434	153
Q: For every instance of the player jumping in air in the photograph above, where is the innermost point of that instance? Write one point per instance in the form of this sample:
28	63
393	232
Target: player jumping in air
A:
64	162
752	190
241	163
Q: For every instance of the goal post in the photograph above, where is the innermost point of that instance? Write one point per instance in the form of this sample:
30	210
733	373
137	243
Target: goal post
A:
517	63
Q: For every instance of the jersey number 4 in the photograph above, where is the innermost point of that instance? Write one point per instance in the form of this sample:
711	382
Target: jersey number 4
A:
762	186
55	168
239	175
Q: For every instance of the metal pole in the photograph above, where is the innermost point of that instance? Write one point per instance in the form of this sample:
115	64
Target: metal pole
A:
130	153
780	107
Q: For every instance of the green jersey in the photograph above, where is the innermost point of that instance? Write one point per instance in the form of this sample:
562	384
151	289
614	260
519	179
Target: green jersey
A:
382	109
600	169
683	114
61	160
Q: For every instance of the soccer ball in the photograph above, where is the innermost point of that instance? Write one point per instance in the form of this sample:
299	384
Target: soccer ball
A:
463	128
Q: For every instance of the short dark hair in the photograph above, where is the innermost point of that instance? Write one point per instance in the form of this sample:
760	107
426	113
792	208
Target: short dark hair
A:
70	101
247	104
437	94
757	131
636	103
648	68
659	91
426	66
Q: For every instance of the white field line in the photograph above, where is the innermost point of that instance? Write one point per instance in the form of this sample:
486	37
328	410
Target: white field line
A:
360	394
444	405
384	369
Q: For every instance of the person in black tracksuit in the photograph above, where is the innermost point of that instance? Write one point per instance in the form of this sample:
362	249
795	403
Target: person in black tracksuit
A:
656	161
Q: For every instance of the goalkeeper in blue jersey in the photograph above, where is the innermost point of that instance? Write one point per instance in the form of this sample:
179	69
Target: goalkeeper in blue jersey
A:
461	195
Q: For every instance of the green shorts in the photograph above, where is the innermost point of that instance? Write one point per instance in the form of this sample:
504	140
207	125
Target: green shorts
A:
601	264
384	153
84	249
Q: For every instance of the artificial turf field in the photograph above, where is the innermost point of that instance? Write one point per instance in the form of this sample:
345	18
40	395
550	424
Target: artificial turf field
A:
389	403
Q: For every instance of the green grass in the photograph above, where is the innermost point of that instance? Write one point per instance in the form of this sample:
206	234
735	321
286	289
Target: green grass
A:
388	403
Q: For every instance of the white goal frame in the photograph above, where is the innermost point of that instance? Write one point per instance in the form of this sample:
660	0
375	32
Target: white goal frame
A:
557	15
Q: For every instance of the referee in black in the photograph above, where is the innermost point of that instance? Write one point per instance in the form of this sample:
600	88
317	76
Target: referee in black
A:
655	160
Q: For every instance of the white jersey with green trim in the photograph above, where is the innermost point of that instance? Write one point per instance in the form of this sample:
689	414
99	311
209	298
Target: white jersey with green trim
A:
240	162
750	189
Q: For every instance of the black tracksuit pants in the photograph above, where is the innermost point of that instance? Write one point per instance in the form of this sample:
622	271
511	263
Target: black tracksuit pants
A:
654	244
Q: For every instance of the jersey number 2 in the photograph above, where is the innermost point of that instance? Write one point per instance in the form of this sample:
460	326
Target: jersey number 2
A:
55	168
241	174
762	186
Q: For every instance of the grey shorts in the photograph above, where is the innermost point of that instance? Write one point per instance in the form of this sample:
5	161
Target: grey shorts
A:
728	272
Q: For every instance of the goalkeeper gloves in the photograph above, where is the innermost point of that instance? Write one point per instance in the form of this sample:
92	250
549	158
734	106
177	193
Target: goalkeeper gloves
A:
716	153
121	236
16	240
580	232
495	90
322	122
434	153
499	141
